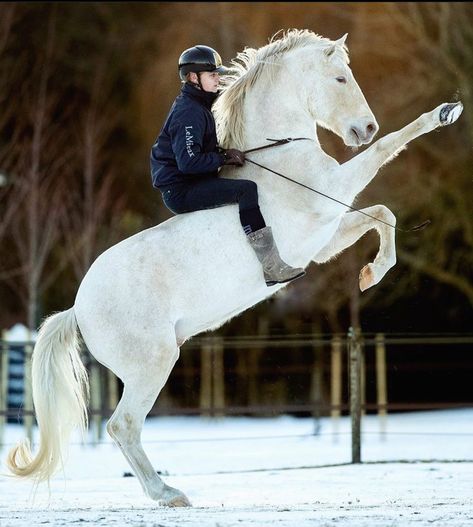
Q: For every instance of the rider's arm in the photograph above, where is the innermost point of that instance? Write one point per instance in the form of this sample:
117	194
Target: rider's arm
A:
187	136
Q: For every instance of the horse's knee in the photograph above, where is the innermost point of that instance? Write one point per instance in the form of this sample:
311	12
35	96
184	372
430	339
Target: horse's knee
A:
386	214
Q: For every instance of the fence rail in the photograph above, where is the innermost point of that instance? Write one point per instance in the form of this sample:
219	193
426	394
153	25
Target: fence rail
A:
338	370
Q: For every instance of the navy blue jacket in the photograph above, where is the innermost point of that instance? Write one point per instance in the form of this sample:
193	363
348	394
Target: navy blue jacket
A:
187	143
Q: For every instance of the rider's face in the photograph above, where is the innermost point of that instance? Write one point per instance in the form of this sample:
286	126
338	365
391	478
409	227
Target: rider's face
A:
209	80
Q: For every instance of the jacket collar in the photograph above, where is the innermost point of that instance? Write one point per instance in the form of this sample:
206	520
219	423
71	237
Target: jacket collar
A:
205	98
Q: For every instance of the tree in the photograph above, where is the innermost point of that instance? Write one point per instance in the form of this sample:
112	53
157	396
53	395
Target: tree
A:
8	205
91	203
41	154
434	44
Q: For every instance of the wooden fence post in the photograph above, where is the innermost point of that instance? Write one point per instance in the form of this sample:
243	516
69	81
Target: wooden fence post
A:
316	393
96	400
381	383
218	374
242	376
3	385
336	384
28	417
362	378
206	377
254	355
354	357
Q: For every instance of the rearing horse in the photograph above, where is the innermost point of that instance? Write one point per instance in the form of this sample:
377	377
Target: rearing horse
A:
144	297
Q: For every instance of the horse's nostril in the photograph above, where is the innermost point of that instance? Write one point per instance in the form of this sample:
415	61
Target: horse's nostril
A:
371	128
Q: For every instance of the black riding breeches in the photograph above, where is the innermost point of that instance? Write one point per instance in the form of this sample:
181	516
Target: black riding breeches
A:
208	193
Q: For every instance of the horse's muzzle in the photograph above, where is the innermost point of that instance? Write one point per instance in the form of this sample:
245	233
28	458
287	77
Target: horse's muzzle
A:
364	134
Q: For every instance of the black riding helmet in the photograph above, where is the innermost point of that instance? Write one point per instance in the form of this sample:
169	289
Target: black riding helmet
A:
200	58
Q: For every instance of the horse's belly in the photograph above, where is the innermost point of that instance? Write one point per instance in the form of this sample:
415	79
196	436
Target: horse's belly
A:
236	300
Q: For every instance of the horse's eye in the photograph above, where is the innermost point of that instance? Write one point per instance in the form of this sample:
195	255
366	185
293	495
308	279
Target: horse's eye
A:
343	80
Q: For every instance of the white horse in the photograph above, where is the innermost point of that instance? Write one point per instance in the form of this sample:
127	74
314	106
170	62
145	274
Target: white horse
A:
144	297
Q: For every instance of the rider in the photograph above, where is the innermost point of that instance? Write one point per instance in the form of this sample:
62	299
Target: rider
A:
185	160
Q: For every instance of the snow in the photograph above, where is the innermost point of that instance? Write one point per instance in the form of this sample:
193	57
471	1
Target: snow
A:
264	471
19	333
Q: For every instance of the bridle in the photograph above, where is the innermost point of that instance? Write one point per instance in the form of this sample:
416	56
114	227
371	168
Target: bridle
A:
279	142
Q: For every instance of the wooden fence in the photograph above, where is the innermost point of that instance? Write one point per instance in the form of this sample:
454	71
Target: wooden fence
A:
336	386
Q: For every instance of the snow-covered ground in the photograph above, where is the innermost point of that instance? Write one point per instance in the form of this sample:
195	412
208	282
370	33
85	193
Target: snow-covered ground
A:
264	471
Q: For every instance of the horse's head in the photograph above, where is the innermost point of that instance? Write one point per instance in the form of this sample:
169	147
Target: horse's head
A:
303	72
332	95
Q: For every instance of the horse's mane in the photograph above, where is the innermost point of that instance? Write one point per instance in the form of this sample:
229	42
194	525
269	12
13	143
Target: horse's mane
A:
257	65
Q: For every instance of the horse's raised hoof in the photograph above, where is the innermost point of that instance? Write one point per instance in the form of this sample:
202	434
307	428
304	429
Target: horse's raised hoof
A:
450	112
366	278
173	498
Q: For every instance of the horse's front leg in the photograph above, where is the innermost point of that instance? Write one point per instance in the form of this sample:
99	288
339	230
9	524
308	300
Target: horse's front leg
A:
352	227
361	169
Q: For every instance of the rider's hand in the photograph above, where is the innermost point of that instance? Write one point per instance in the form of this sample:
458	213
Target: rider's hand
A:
234	157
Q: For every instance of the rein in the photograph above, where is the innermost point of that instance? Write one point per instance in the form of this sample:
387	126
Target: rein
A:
278	142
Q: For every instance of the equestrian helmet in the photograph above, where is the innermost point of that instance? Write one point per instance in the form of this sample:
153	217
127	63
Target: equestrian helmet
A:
200	58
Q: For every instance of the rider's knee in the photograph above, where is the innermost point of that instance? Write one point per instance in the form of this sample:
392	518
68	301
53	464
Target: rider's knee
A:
250	187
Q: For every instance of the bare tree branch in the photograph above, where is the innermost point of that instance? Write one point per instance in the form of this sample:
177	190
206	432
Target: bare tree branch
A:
440	274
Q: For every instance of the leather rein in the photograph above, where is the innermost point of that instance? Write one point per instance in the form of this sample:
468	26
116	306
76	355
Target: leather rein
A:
279	142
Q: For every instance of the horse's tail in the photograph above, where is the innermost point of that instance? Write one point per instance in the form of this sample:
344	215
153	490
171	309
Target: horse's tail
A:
60	394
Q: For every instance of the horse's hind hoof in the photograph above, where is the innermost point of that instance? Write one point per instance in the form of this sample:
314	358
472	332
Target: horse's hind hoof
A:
178	501
173	498
450	113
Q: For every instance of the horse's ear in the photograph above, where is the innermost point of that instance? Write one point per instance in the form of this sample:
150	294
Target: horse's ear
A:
328	52
341	41
331	49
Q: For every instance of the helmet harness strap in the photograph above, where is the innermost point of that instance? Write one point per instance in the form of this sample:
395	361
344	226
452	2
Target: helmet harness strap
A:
198	83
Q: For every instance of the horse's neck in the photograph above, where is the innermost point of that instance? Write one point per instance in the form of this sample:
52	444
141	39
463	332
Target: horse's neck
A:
288	207
279	116
276	116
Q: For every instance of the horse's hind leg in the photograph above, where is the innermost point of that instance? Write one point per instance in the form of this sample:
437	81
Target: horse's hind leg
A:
139	394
